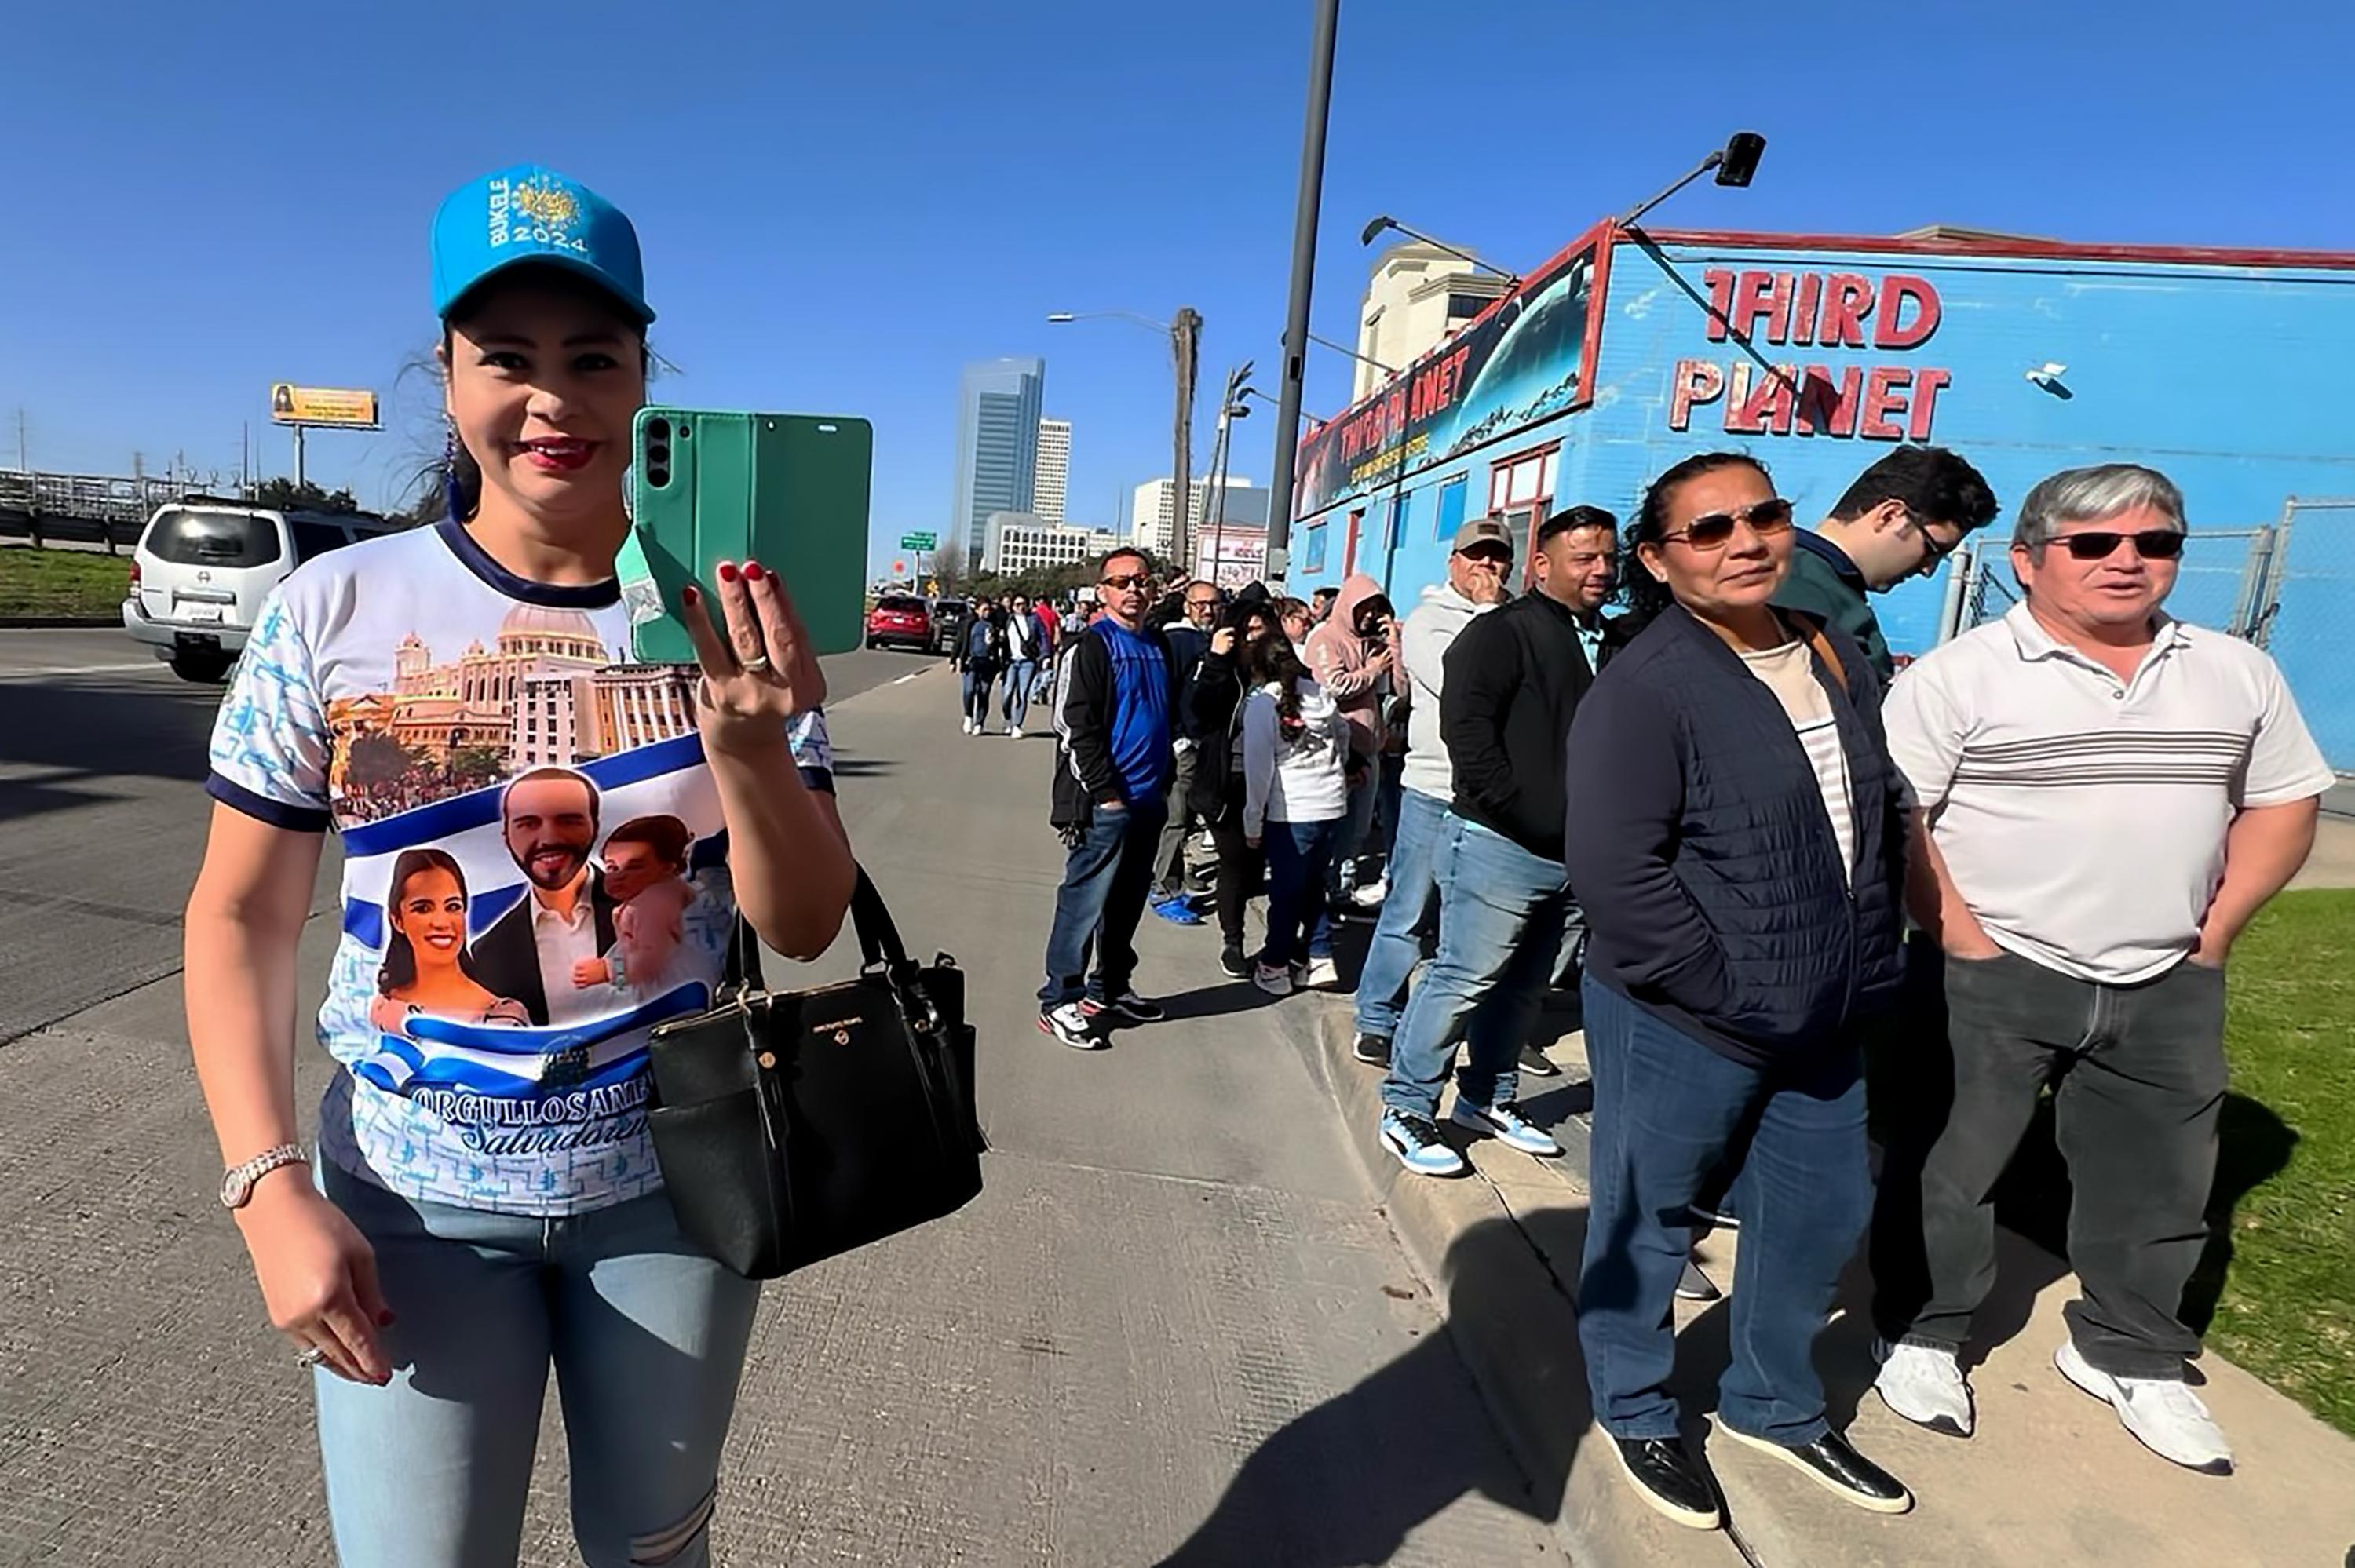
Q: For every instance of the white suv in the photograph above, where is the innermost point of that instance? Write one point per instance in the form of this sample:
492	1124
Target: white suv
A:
204	566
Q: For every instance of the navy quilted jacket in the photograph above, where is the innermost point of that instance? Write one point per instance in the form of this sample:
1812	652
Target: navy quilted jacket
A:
1701	851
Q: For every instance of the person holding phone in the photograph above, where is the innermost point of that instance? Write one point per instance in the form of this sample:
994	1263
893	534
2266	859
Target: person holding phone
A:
468	1226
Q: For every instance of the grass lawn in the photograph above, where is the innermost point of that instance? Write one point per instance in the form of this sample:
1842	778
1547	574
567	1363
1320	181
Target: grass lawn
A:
2287	1308
64	583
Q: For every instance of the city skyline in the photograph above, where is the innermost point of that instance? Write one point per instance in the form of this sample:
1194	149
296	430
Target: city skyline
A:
997	451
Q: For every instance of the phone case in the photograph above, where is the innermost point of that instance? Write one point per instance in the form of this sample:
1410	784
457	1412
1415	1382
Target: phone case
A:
789	490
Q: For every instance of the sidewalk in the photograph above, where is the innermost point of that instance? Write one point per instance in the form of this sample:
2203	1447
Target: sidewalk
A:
2050	1478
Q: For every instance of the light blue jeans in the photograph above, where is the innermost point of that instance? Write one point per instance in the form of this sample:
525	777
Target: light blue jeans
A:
1020	676
1407	916
1501	914
647	1338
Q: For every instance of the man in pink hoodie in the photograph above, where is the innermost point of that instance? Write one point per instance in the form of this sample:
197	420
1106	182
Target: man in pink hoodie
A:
1353	654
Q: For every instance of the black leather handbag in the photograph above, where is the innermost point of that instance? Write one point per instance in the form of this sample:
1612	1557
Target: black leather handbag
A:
792	1126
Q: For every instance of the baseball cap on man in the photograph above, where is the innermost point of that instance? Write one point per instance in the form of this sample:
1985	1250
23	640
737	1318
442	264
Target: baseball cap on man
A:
1483	531
533	214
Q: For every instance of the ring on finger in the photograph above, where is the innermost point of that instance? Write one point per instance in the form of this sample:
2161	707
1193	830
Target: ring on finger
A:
757	664
310	1356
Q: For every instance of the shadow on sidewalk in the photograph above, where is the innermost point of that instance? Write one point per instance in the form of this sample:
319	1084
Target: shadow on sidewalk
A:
1347	1482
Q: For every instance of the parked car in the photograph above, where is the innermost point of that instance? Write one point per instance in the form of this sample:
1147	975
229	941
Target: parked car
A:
949	616
899	621
203	567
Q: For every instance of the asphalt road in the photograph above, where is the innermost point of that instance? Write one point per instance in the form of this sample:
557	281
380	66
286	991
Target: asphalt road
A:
1173	1328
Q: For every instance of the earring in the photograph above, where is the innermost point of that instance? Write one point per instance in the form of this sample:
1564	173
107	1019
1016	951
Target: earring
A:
451	499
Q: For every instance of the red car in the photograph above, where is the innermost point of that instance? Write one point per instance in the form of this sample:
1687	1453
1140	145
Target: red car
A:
900	621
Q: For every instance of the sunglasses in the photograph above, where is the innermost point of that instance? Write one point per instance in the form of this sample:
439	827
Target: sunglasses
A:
1712	530
2151	544
1125	580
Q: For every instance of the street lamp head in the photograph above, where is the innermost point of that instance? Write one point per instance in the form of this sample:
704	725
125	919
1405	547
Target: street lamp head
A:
1375	229
1739	160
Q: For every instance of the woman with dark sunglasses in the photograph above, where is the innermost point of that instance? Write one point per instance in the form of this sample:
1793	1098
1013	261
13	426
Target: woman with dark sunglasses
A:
1731	837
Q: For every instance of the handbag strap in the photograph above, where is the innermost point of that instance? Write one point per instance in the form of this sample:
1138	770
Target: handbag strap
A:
878	939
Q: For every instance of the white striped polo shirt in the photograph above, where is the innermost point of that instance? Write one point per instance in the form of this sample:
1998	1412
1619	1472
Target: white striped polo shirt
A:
2083	819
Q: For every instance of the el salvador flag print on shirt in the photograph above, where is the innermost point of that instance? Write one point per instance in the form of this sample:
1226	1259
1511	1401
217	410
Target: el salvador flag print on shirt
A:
534	862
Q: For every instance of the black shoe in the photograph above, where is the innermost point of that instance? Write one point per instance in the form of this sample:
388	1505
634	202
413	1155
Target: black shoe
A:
1838	1468
1537	1064
1233	963
1374	1050
1127	1006
1670	1480
1696	1286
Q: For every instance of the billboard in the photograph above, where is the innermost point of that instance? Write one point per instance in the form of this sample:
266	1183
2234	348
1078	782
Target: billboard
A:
1504	371
349	409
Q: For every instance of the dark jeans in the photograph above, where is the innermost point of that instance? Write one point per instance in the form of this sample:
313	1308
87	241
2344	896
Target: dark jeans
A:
979	680
1299	922
1356	826
2138	1074
1169	859
1102	899
1665	1107
1239	866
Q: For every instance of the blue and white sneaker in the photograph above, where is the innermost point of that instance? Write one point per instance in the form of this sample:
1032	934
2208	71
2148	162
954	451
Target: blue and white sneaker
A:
1177	911
1505	1122
1415	1140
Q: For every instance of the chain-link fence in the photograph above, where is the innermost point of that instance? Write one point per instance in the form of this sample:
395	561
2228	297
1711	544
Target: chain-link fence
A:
2287	585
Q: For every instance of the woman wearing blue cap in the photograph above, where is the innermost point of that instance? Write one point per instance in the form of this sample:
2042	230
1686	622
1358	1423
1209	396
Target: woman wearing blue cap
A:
487	1204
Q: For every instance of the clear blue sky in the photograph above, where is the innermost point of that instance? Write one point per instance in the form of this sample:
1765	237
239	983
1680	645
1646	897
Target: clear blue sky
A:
843	205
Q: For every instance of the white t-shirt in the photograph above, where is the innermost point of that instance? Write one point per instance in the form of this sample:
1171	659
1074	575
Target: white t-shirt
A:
1789	671
2083	818
1297	778
475	736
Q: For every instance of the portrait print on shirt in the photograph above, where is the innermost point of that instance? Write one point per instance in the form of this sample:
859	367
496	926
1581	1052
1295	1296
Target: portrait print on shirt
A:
534	862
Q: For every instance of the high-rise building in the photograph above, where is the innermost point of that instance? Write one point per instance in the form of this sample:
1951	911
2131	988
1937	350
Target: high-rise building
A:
1153	524
1418	297
997	450
1020	544
1054	468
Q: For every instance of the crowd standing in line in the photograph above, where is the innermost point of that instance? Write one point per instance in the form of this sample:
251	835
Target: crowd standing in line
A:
1689	812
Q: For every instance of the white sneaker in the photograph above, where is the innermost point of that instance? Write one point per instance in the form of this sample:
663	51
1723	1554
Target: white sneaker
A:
1505	1124
1014	732
972	728
1373	894
1322	972
2162	1414
1924	1384
1273	979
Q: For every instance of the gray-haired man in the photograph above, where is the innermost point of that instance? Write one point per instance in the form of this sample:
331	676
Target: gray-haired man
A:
2104	796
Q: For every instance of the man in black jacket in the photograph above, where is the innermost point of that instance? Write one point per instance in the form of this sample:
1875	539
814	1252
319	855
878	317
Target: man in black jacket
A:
1117	697
1514	678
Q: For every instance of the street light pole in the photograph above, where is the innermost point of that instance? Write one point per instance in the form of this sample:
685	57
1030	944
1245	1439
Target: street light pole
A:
1304	278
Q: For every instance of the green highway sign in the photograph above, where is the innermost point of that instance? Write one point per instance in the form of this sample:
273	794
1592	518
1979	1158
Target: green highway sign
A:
919	541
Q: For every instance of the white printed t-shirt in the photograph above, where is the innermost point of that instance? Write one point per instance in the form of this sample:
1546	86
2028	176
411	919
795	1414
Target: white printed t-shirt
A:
479	737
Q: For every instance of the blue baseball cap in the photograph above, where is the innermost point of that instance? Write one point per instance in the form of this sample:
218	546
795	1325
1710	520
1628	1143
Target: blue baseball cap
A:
532	214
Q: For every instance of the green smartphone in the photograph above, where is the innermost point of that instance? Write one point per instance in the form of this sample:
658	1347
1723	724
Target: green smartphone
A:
789	490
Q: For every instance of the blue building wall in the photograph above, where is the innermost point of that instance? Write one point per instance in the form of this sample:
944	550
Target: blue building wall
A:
2231	378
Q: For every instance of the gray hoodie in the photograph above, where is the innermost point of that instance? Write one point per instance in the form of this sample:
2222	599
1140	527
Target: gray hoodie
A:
1435	622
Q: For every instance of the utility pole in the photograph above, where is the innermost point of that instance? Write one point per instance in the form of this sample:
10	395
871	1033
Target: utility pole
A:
1185	347
1304	278
21	461
298	457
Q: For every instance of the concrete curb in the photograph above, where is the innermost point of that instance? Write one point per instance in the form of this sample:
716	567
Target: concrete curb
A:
62	624
1521	1346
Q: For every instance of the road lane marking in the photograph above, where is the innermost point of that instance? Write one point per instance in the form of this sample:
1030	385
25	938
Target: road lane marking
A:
911	675
79	670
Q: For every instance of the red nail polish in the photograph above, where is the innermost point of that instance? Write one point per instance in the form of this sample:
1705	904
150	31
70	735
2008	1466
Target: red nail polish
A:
754	571
691	594
727	571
